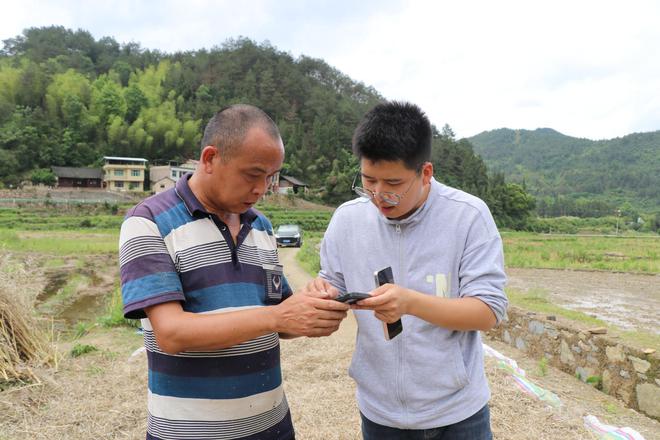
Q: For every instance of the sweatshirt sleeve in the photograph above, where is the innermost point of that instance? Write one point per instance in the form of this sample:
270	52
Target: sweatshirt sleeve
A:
481	273
330	255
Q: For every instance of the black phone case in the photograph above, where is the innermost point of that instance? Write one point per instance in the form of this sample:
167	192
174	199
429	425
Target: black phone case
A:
385	276
352	297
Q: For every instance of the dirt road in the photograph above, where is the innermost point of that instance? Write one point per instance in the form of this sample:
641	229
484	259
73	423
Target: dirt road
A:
629	301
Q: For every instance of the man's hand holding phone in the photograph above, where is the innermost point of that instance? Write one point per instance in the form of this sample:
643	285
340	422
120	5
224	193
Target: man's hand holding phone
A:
389	302
386	302
351	297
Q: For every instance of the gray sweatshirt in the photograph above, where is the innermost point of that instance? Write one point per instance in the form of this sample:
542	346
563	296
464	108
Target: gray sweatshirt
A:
428	376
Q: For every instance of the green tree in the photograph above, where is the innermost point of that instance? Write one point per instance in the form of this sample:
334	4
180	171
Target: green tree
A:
117	139
123	70
517	205
337	188
8	167
136	100
43	176
9	82
107	100
139	140
204	102
32	86
21	135
69	85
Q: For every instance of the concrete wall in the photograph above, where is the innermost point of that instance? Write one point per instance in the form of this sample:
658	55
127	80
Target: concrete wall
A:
630	374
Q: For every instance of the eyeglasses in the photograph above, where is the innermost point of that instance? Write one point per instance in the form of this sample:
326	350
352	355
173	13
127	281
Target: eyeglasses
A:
388	197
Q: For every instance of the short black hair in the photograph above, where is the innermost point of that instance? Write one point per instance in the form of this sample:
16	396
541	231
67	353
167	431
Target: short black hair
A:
227	129
394	131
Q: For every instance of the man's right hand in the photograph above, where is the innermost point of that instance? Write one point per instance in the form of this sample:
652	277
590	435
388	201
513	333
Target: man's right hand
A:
307	315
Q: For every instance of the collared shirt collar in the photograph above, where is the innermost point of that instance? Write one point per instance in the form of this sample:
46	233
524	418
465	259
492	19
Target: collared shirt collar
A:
192	203
195	207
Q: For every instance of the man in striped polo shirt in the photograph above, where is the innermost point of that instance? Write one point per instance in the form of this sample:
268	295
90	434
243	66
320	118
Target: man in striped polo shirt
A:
199	266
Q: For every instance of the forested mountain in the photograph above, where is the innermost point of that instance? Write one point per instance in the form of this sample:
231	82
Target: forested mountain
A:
577	176
67	99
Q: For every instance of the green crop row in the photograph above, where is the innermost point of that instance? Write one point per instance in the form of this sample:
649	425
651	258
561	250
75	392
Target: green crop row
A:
308	220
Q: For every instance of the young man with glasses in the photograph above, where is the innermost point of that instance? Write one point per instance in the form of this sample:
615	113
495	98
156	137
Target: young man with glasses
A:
446	256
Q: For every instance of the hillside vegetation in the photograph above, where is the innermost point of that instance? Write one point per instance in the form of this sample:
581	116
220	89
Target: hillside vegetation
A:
574	176
67	99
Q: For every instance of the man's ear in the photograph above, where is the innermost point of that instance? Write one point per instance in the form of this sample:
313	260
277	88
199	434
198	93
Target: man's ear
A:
427	172
206	158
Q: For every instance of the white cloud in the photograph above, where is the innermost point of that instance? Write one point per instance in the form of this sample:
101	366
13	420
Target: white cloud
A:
587	68
584	66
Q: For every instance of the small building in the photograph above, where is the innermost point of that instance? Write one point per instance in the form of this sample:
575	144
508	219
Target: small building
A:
162	185
288	184
164	177
72	177
124	173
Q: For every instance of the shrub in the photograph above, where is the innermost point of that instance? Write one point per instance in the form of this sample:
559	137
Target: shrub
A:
43	176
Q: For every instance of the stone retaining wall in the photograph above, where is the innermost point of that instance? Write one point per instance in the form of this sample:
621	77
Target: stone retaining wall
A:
630	374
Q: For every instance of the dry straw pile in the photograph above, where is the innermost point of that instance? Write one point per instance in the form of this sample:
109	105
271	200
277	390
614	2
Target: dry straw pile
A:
24	341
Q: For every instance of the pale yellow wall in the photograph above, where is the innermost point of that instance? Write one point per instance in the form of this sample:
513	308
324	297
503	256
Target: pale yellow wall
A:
128	179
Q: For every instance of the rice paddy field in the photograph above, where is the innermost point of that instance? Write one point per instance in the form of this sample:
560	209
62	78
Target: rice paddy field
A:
640	253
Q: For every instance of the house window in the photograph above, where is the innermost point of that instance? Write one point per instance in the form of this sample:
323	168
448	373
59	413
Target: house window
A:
162	185
119	172
173	174
132	185
135	173
119	184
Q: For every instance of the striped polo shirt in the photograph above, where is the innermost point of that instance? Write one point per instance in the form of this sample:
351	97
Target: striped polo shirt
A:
172	249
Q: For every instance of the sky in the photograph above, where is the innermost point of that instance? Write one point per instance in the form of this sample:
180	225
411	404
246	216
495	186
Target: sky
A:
584	68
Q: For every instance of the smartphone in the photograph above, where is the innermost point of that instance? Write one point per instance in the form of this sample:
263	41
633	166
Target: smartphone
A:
381	277
352	297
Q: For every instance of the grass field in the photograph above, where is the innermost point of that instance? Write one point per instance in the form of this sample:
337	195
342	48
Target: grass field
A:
60	242
523	249
308	257
309	220
95	230
46	218
620	254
